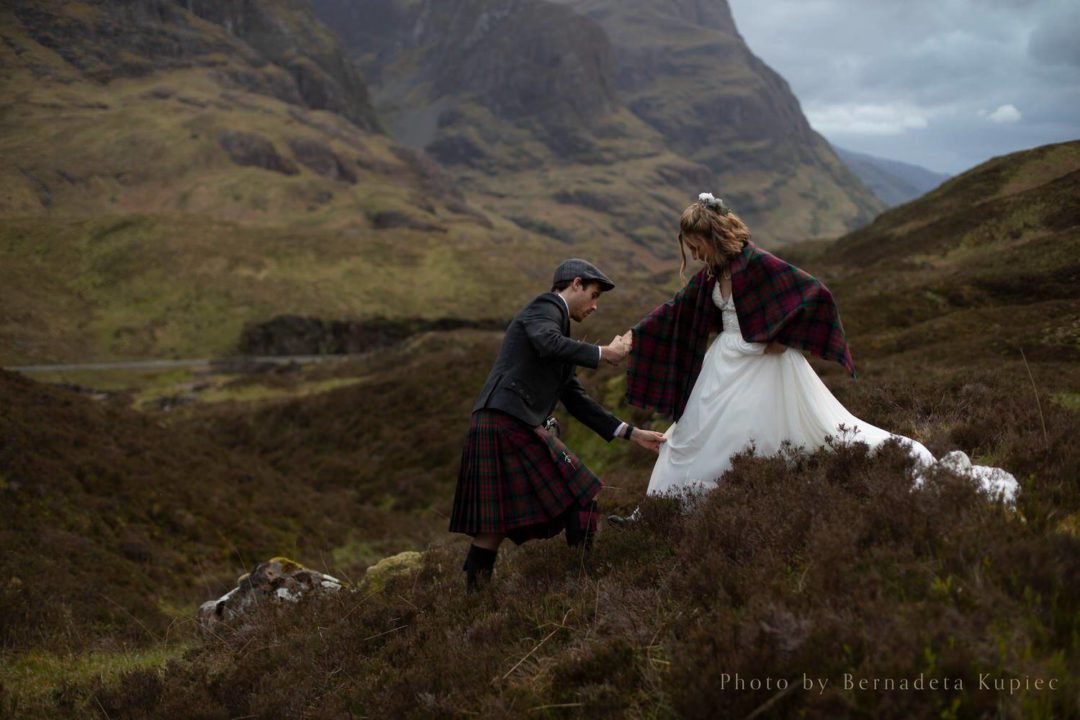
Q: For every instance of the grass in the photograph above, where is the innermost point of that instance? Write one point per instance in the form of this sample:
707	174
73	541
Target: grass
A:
1068	400
181	287
144	389
258	392
32	682
145	380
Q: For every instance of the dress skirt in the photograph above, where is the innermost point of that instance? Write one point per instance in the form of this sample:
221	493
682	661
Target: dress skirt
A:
744	397
518	481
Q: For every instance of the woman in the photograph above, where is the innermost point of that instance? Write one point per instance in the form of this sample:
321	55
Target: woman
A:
752	385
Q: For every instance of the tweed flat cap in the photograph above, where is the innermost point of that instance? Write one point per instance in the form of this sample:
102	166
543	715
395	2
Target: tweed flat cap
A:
576	267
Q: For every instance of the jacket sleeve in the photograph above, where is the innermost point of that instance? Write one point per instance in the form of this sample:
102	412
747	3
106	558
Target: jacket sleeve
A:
543	326
588	411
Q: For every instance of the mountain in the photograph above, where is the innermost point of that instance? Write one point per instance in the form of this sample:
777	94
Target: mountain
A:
604	115
684	69
893	182
175	170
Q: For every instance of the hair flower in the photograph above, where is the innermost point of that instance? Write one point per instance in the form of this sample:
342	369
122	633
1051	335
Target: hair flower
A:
713	203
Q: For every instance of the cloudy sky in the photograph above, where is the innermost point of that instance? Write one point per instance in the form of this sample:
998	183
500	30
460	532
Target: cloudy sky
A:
945	84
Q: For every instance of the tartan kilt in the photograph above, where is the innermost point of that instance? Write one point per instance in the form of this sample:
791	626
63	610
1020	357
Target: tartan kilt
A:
517	481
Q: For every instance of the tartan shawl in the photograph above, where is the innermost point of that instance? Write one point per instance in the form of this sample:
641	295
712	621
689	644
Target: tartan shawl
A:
775	301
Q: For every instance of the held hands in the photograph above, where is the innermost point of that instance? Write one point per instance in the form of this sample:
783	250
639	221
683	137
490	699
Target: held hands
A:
648	439
616	351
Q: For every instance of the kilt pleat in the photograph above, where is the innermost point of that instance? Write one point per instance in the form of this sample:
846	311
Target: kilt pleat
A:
517	481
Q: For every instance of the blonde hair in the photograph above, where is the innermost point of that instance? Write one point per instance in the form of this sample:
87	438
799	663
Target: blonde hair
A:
725	234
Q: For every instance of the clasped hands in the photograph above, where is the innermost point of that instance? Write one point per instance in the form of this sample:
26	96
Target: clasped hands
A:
619	347
617	350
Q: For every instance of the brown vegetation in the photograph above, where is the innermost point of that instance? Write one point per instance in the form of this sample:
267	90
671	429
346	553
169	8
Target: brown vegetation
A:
825	564
116	523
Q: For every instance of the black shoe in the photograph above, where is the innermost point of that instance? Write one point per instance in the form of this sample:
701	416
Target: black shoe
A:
625	520
479	564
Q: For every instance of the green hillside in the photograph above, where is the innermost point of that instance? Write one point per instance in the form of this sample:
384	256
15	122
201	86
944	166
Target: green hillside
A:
155	200
985	266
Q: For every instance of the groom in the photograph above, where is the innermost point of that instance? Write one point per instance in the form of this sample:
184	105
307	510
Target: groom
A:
517	479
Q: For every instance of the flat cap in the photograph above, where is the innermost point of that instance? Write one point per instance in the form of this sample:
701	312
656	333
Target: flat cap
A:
576	267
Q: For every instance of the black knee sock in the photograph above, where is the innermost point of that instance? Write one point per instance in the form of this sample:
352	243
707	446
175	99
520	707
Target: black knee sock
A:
581	525
478	566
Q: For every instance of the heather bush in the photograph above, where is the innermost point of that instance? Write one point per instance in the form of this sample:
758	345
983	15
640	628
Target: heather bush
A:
819	564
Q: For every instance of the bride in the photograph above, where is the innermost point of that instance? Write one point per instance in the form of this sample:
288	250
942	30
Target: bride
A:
751	385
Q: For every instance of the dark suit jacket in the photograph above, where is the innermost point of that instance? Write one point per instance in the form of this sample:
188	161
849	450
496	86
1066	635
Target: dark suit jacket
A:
536	369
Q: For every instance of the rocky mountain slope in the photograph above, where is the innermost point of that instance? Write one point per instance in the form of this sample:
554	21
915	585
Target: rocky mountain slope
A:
627	110
684	69
892	181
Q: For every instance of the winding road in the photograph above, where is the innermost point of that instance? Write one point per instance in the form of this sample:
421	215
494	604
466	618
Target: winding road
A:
189	362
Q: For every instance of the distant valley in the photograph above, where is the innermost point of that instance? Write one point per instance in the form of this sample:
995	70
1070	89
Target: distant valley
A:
892	181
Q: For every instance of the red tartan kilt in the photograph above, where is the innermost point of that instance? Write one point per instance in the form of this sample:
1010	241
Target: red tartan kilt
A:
517	481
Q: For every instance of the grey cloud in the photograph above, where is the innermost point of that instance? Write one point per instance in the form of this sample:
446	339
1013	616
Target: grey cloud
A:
1057	40
854	63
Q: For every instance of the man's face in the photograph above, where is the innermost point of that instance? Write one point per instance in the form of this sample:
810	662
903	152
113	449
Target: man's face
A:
581	299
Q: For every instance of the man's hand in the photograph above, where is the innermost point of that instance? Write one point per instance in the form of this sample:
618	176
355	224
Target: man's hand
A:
775	348
615	352
648	439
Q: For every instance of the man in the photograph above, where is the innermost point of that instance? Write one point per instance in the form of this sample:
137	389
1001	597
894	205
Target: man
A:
517	479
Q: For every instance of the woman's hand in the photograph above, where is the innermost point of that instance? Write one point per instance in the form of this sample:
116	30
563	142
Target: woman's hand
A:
648	439
615	351
775	348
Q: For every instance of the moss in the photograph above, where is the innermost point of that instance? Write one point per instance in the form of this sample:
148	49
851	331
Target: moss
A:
382	572
355	552
1069	400
1070	525
287	565
33	678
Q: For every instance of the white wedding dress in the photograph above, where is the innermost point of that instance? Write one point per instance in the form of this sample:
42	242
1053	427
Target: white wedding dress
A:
744	396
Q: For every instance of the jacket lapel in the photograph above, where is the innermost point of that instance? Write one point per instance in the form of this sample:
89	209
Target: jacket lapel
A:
565	314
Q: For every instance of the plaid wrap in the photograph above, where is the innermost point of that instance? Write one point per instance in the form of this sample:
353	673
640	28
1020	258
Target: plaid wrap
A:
518	481
775	301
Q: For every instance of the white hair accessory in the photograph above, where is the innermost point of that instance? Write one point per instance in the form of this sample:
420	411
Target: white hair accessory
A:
713	203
